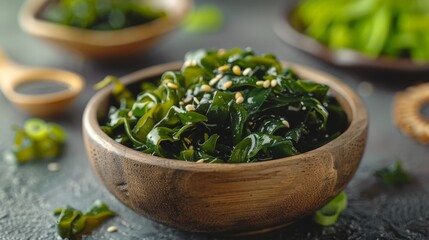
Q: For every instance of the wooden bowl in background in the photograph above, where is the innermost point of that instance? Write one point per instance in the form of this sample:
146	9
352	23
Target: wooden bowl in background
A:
103	44
226	198
288	30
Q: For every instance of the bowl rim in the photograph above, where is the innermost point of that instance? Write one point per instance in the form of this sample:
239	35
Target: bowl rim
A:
30	23
285	30
358	118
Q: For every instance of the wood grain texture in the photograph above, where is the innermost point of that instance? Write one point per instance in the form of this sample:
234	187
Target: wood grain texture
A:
226	198
103	44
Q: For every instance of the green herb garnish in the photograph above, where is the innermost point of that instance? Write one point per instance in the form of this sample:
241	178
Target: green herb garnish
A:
101	14
329	214
393	174
73	223
225	106
375	28
37	140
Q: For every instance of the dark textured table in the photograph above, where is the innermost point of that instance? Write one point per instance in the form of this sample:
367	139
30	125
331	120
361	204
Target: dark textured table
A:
29	193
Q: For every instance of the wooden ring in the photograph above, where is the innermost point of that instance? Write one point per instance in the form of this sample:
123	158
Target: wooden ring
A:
407	114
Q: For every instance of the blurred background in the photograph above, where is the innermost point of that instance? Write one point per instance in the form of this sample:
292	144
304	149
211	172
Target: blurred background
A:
29	193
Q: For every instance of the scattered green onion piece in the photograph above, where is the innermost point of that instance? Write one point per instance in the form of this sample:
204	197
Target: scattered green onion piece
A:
36	129
37	140
329	214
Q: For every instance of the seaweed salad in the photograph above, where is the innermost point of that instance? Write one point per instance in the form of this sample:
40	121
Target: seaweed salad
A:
103	15
224	106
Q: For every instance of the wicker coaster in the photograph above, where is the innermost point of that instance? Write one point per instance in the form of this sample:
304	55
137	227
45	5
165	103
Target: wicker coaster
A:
407	114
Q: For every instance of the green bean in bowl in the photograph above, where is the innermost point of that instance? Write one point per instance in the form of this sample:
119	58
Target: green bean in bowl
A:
375	28
224	106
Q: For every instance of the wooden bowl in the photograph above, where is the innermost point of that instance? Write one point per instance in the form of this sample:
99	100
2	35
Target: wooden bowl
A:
226	198
103	44
290	31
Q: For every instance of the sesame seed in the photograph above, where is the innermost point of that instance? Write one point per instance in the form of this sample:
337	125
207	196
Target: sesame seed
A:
190	107
266	84
181	103
227	84
172	85
286	123
166	81
191	147
214	80
221	51
247	71
206	88
236	70
200	161
130	114
250	123
187	140
187	100
196	100
193	63
238	94
260	83
224	68
239	100
112	229
53	167
273	83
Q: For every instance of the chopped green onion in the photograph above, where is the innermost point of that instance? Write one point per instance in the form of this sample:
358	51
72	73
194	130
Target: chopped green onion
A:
36	128
37	140
328	214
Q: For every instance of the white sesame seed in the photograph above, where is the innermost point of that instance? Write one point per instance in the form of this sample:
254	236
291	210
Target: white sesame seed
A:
273	83
193	63
286	123
187	100
187	140
266	84
130	114
53	167
292	108
238	94
181	103
214	80
191	147
236	70
206	88
221	51
239	100
190	107
112	229
172	85
227	84
247	71
200	161
224	68
250	123
196	100
260	83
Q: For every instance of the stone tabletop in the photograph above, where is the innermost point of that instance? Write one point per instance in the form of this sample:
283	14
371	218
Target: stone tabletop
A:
29	193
